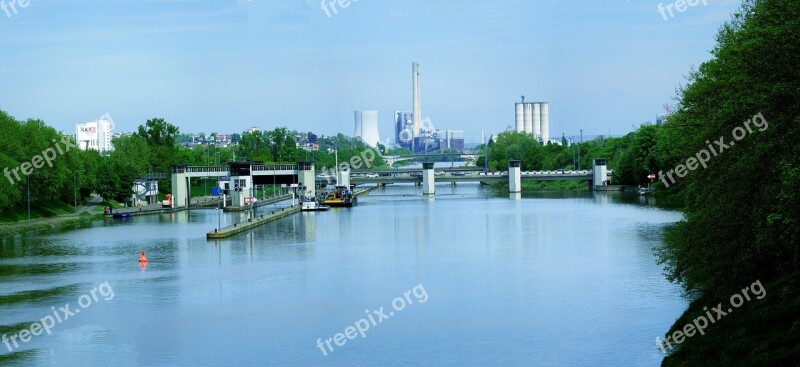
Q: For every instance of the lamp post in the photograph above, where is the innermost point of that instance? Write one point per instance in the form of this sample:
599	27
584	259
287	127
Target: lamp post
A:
75	188
29	199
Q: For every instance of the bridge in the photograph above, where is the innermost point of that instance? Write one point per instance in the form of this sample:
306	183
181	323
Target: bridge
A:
244	177
392	159
456	175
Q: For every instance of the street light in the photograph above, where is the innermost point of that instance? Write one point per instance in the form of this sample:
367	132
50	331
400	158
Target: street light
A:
29	199
75	189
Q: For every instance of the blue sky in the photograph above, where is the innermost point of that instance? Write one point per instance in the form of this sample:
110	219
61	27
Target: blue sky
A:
226	65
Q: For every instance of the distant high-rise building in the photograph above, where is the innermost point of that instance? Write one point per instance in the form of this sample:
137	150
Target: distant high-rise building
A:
94	135
533	118
367	127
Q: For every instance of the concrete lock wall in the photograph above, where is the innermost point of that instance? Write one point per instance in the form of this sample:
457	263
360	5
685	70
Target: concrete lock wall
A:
179	193
306	177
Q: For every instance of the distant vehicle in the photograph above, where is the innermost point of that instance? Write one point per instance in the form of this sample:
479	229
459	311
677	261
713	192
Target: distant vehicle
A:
372	175
458	174
416	174
385	174
323	176
167	202
440	173
561	171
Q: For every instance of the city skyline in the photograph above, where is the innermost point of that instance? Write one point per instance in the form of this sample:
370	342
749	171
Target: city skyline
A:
229	65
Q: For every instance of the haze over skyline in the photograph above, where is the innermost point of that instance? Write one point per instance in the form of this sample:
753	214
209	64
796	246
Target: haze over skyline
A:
224	66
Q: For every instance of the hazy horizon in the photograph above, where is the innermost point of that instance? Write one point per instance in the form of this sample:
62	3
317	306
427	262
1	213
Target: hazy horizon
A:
225	66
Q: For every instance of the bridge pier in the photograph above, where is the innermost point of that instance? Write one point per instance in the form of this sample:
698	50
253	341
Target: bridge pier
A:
428	179
514	177
179	184
343	178
600	173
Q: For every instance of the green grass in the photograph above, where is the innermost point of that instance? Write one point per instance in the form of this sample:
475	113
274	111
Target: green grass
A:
112	203
52	209
554	185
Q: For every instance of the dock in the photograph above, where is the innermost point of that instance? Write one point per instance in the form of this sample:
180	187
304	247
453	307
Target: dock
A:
262	202
252	223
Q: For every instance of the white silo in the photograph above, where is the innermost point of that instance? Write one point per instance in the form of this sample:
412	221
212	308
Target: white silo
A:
519	117
545	122
528	120
537	121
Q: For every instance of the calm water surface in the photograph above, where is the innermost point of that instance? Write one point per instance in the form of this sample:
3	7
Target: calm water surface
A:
551	279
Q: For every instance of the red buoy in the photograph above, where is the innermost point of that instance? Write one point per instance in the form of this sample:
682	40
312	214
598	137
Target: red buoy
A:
142	259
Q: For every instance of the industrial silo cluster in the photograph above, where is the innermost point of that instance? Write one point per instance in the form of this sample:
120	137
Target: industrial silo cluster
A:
532	118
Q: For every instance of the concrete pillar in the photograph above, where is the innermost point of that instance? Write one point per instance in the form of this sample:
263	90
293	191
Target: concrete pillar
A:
179	194
428	179
306	177
599	172
343	177
514	177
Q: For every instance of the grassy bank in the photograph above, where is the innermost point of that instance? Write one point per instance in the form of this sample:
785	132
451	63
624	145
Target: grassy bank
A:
20	214
50	223
761	332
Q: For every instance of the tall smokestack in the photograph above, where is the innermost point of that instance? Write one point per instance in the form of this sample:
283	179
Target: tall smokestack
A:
417	114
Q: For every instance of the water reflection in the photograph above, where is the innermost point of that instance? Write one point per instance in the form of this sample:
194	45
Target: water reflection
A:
555	277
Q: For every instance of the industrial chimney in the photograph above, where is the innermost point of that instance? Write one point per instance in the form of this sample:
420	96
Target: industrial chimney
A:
417	113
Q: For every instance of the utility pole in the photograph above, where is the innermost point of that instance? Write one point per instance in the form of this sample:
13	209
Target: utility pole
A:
29	199
579	151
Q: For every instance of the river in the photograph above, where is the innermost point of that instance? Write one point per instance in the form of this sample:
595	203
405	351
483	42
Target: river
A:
484	278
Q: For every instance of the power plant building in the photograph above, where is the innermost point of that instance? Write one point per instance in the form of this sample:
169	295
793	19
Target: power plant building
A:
533	118
414	133
366	127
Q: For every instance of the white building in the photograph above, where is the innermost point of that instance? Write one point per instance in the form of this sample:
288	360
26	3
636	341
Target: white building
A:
367	127
94	135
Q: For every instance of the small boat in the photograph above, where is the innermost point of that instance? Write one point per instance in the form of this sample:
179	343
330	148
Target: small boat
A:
341	196
311	204
122	215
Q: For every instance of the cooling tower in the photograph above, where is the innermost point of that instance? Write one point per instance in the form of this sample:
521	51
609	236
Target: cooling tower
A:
367	127
520	119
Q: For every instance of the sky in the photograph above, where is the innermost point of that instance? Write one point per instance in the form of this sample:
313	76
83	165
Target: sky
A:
223	66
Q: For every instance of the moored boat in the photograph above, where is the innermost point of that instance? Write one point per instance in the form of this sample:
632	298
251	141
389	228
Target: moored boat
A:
341	196
311	204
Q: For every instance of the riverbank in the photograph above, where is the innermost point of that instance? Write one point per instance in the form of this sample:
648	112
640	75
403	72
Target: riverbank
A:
55	216
761	332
